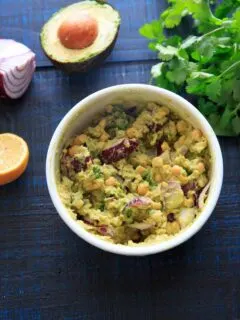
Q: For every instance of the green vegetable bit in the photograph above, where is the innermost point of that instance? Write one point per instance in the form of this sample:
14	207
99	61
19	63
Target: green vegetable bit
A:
205	64
97	173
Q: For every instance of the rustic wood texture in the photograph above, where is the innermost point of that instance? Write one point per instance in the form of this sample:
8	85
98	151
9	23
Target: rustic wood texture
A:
47	272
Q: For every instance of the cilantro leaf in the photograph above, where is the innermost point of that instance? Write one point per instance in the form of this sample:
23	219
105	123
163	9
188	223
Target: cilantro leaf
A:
225	118
189	41
236	124
153	30
197	82
224	8
199	9
178	71
164	83
97	173
207	107
166	53
206	63
174	14
236	89
204	50
156	70
213	89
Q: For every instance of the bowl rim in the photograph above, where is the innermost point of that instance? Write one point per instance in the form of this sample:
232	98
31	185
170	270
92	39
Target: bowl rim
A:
147	249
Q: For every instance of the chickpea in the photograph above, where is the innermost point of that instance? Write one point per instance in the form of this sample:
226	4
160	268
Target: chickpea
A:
140	169
102	123
202	181
201	167
158	178
74	150
81	139
157	216
181	126
196	134
157	162
132	133
183	179
165	146
92	185
111	181
104	137
100	145
142	188
78	203
156	205
172	227
180	142
189	203
164	184
109	108
176	170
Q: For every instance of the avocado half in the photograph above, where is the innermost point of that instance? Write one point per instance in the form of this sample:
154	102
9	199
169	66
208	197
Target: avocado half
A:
81	60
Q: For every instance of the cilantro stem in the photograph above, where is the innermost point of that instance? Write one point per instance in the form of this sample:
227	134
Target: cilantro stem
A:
210	32
228	69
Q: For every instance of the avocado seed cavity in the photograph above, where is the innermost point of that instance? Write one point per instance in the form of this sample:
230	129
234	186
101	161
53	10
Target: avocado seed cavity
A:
78	32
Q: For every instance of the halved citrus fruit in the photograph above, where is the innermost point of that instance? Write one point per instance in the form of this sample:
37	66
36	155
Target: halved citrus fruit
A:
14	156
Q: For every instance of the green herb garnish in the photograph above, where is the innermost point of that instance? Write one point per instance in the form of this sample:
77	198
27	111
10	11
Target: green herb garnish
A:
101	206
206	64
147	176
128	215
97	172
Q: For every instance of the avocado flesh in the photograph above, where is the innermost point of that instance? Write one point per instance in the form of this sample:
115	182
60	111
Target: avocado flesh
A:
81	60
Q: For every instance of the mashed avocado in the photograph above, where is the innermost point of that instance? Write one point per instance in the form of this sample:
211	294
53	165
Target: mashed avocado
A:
135	175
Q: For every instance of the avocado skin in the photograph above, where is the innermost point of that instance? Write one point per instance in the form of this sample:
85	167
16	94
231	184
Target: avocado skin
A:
85	66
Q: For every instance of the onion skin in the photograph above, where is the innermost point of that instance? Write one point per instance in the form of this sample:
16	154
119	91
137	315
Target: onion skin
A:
203	196
17	65
2	91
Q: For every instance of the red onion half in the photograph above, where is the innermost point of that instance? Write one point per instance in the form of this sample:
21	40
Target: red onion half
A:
17	65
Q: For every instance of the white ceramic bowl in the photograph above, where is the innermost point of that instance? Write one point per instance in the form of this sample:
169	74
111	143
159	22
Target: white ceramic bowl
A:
81	115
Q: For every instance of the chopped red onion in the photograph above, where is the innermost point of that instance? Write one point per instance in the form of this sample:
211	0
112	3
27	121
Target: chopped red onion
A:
120	150
105	230
202	196
186	216
139	202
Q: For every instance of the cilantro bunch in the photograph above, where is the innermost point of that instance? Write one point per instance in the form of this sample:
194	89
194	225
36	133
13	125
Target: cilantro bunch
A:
206	64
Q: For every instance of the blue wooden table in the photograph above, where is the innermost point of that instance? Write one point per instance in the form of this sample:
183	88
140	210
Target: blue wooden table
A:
47	272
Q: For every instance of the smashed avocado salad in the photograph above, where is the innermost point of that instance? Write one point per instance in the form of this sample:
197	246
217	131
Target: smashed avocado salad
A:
139	174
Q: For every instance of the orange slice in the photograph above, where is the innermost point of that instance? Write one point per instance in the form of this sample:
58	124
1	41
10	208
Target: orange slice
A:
14	156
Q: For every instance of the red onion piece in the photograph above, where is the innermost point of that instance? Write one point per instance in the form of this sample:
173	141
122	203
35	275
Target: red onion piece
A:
105	230
139	202
17	65
120	150
186	216
159	146
202	196
190	186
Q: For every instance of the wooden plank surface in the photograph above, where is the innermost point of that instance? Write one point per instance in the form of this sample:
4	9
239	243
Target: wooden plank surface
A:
47	272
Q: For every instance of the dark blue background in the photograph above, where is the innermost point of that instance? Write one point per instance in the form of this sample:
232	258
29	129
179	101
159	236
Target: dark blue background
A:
46	271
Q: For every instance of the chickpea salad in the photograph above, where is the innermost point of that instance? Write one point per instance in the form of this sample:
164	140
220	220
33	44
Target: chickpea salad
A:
137	175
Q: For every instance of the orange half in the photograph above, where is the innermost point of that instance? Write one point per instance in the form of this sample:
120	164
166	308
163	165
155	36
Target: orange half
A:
14	156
